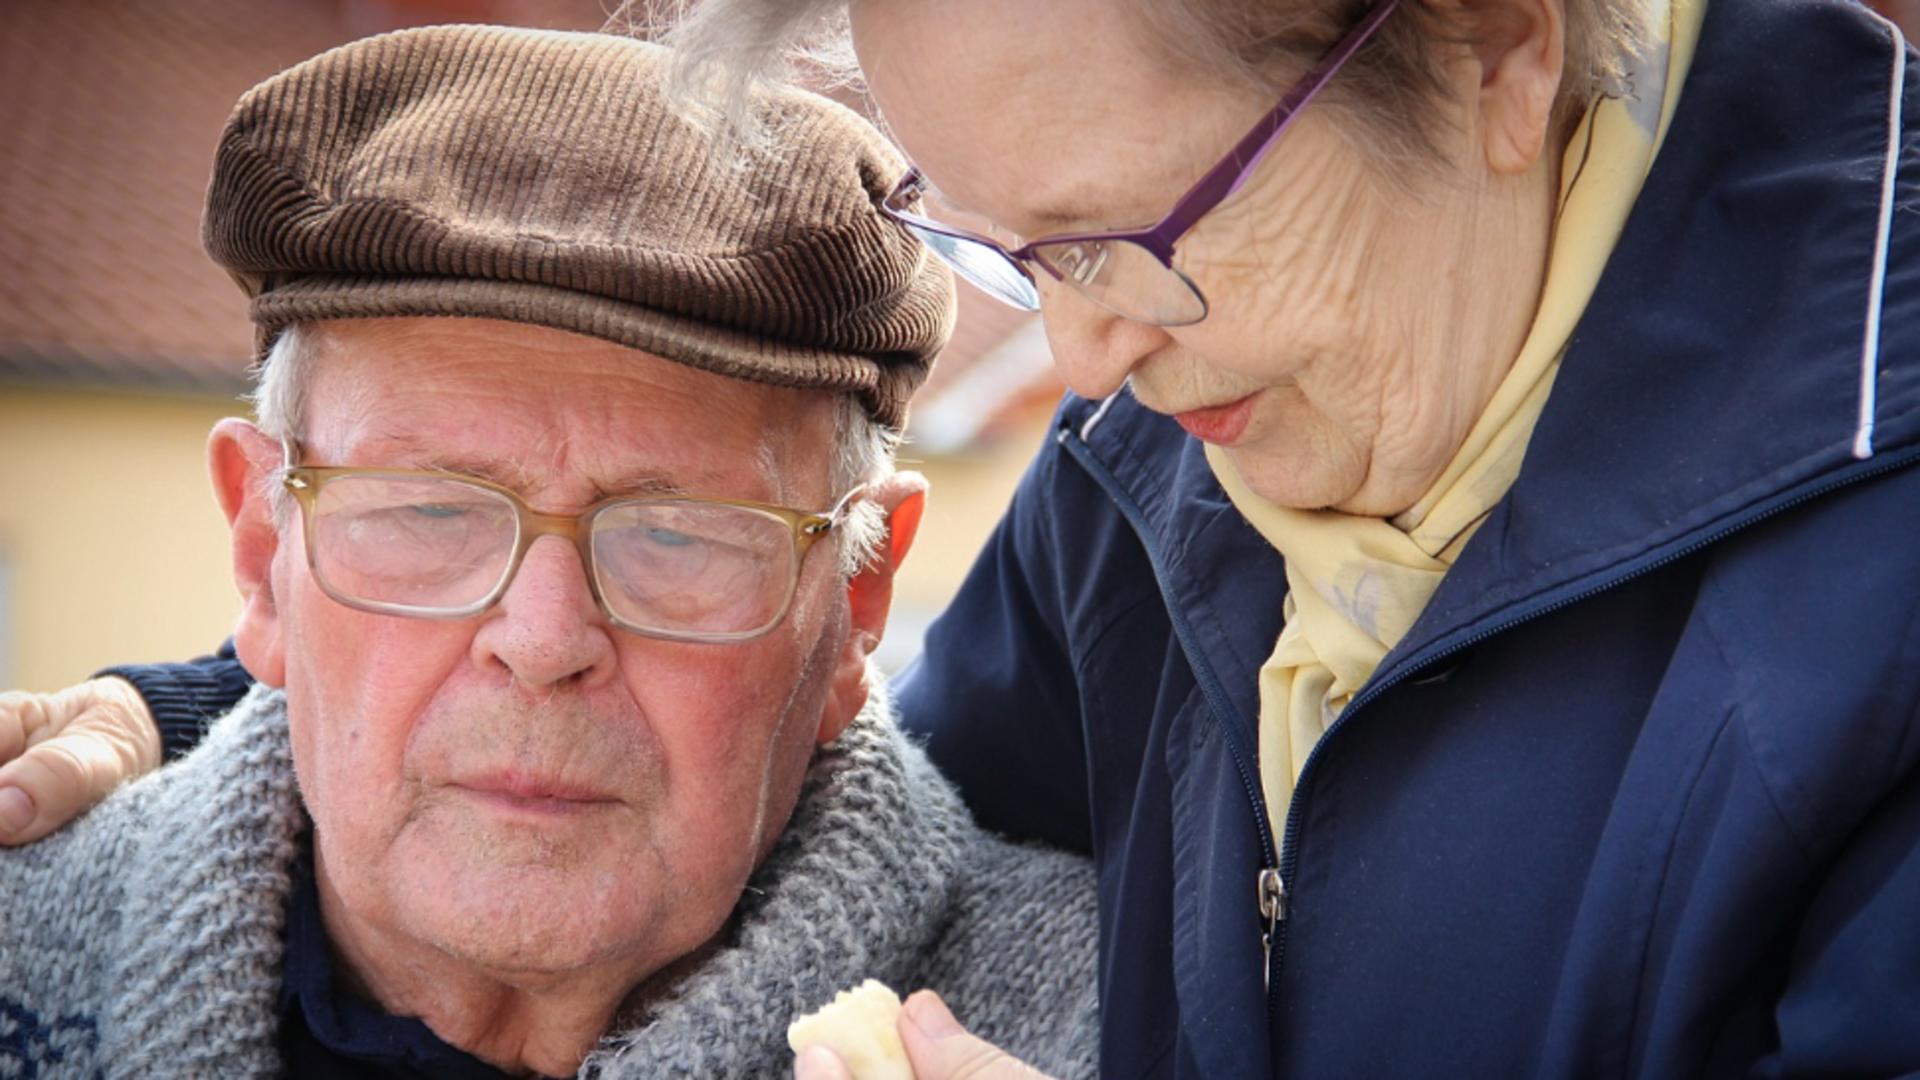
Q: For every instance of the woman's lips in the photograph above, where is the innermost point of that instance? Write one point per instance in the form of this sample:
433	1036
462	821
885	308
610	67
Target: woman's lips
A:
1218	424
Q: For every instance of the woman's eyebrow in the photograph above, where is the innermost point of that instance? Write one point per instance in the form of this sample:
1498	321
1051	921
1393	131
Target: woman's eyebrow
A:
1084	208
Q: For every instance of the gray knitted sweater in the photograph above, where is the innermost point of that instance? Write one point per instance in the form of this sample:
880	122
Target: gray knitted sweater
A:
146	940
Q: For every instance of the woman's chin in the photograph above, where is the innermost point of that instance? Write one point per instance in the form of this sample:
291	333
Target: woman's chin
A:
1298	479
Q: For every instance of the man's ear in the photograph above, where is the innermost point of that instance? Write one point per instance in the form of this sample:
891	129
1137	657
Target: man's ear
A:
242	460
1521	48
903	498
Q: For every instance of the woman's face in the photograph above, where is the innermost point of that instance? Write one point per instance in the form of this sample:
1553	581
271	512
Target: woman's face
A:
1358	321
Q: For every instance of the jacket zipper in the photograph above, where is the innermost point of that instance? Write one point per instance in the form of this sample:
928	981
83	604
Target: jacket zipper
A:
1269	882
1273	908
1272	881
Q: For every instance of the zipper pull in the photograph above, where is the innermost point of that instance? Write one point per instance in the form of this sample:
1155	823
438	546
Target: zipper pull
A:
1273	908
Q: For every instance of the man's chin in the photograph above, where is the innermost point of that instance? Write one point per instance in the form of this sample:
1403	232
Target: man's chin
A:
513	896
525	924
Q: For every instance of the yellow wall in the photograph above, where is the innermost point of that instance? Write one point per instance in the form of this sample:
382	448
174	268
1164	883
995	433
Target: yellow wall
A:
114	548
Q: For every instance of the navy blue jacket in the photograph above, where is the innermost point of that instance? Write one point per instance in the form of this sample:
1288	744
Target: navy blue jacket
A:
1638	794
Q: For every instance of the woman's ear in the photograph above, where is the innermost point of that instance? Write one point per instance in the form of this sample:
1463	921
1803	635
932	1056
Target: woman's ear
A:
1521	49
243	462
903	498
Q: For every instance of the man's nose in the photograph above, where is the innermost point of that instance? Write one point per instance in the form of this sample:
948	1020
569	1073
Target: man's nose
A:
1094	349
547	631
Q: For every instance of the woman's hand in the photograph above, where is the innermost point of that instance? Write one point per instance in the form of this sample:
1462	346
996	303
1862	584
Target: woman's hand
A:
62	752
938	1047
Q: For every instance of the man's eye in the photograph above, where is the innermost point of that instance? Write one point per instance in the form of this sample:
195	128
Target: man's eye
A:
439	511
670	538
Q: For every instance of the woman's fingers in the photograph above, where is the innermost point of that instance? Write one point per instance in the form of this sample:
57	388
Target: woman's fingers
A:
60	753
940	1049
820	1063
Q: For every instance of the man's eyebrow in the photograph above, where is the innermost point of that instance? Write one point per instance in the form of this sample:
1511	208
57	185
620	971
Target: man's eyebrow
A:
514	475
641	484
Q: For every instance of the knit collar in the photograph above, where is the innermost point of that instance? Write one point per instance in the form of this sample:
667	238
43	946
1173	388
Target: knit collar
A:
858	886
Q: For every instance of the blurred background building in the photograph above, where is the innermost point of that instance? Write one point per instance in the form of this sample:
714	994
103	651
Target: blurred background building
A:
121	344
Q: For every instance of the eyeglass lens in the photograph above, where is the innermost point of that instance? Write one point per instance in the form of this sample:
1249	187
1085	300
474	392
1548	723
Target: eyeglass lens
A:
416	543
1126	279
693	566
443	547
986	268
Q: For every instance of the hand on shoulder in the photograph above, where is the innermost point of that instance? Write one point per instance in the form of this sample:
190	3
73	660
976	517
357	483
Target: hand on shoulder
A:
60	753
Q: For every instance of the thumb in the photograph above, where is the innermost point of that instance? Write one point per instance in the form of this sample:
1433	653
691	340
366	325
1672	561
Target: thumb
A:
940	1049
820	1063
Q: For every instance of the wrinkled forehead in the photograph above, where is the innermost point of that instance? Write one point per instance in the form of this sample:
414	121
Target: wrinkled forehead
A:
1042	118
548	411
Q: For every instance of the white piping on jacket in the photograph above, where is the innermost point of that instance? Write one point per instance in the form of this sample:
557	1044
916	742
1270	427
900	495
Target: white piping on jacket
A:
1099	414
1876	289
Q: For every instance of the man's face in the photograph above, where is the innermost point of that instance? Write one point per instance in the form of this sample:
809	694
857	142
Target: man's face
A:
532	790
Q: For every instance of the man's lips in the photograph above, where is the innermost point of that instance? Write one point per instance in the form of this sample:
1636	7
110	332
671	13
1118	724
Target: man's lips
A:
1218	424
534	793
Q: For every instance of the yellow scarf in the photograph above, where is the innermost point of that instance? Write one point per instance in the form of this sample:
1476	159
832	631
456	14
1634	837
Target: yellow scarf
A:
1356	584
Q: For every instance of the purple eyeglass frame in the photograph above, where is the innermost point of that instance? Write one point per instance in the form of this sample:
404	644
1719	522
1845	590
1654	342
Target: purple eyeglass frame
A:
1219	183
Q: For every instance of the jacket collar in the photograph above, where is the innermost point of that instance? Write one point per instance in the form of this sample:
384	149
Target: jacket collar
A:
1716	375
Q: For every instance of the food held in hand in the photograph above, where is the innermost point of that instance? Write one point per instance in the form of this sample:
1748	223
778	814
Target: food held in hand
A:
858	1025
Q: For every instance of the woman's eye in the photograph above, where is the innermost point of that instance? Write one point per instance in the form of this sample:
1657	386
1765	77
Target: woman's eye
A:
1083	261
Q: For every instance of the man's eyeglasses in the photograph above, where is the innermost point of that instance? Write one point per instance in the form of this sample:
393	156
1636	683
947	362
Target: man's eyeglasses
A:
435	545
1129	273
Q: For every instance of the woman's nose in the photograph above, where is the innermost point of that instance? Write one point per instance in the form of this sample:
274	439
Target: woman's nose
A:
1094	349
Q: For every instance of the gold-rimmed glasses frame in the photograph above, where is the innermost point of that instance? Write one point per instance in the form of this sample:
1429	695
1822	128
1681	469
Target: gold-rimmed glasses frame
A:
306	482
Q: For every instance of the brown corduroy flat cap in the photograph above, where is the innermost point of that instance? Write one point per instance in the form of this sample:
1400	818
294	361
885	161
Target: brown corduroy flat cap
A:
544	177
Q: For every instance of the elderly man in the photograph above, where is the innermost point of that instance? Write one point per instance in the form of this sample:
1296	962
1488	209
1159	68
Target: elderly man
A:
564	533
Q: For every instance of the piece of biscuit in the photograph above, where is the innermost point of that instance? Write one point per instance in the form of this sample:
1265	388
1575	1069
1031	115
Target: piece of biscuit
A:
858	1025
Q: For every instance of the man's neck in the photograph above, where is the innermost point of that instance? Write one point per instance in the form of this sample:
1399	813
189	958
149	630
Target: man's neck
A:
520	1022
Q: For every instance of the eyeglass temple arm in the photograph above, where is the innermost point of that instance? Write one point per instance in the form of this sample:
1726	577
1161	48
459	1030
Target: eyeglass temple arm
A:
1225	178
289	456
832	518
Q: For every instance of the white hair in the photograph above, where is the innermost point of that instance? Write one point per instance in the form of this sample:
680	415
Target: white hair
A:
726	47
862	455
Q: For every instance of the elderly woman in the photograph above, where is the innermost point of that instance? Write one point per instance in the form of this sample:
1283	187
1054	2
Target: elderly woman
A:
1468	606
